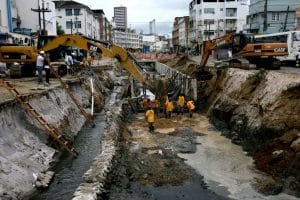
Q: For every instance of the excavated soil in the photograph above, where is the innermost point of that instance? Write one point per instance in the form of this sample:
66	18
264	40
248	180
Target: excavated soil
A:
149	167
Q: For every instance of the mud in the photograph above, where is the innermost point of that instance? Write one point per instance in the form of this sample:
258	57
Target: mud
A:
149	167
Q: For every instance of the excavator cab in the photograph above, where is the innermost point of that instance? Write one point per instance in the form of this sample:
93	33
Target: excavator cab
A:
240	40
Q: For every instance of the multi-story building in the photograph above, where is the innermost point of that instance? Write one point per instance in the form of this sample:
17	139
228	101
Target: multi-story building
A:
107	30
298	19
120	18
77	18
175	33
212	18
128	39
19	16
4	16
274	16
183	29
152	27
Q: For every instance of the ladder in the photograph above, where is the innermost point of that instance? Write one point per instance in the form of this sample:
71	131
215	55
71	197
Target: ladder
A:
53	132
66	87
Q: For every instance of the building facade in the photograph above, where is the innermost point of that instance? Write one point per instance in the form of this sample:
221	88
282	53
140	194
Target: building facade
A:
175	33
128	39
120	18
4	24
213	18
183	31
266	16
152	27
19	16
77	18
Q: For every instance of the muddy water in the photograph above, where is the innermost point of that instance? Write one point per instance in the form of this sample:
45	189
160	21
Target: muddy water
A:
69	171
225	166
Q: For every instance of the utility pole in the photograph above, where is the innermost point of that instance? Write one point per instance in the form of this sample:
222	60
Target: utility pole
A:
265	16
286	17
41	10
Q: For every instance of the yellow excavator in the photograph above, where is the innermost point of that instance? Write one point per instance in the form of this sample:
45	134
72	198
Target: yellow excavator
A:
103	48
26	56
244	50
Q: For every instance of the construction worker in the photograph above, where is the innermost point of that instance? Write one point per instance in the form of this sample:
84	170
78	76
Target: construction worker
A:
190	106
180	104
40	65
165	105
169	108
150	116
155	105
298	59
146	103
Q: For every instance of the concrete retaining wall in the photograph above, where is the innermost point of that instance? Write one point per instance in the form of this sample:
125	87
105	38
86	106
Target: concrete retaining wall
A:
187	84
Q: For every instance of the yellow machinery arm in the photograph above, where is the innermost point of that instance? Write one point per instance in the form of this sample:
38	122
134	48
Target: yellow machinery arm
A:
111	51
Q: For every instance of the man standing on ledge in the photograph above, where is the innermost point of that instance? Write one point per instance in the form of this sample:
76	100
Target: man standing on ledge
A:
40	65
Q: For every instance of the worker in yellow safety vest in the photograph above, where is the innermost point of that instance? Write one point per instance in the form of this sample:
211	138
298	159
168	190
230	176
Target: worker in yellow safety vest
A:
150	116
169	107
180	104
190	106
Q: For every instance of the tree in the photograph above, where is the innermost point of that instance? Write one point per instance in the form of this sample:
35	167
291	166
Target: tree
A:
59	29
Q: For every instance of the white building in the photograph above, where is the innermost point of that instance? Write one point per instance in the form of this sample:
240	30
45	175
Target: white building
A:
17	16
149	42
77	18
128	39
216	18
3	17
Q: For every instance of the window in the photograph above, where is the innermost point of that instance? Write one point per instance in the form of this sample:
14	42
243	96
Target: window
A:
198	1
68	24
298	21
68	12
275	16
77	11
200	12
231	12
221	9
209	21
209	10
77	24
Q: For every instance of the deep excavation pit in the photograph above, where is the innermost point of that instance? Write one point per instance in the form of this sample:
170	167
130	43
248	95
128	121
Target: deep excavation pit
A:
183	159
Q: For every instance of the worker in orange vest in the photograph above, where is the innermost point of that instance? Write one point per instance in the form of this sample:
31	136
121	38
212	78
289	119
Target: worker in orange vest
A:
150	116
146	103
190	106
155	105
180	104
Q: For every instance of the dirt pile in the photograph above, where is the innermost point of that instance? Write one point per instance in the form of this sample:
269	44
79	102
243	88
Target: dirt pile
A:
183	64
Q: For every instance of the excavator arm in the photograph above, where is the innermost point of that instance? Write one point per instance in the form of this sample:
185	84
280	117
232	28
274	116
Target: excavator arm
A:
210	45
111	51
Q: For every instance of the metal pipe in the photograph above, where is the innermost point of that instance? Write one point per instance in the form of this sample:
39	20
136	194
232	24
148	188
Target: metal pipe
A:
92	89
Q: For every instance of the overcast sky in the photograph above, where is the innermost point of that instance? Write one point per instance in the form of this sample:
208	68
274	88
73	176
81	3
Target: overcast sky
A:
141	12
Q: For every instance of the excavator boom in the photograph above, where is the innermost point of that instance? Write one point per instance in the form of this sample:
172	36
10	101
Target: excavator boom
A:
111	51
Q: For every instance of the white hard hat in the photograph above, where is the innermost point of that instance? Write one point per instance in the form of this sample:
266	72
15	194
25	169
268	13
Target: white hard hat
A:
42	52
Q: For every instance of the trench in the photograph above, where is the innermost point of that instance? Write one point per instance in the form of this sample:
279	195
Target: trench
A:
199	162
69	170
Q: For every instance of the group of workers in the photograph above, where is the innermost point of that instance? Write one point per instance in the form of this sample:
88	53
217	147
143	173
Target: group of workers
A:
153	108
